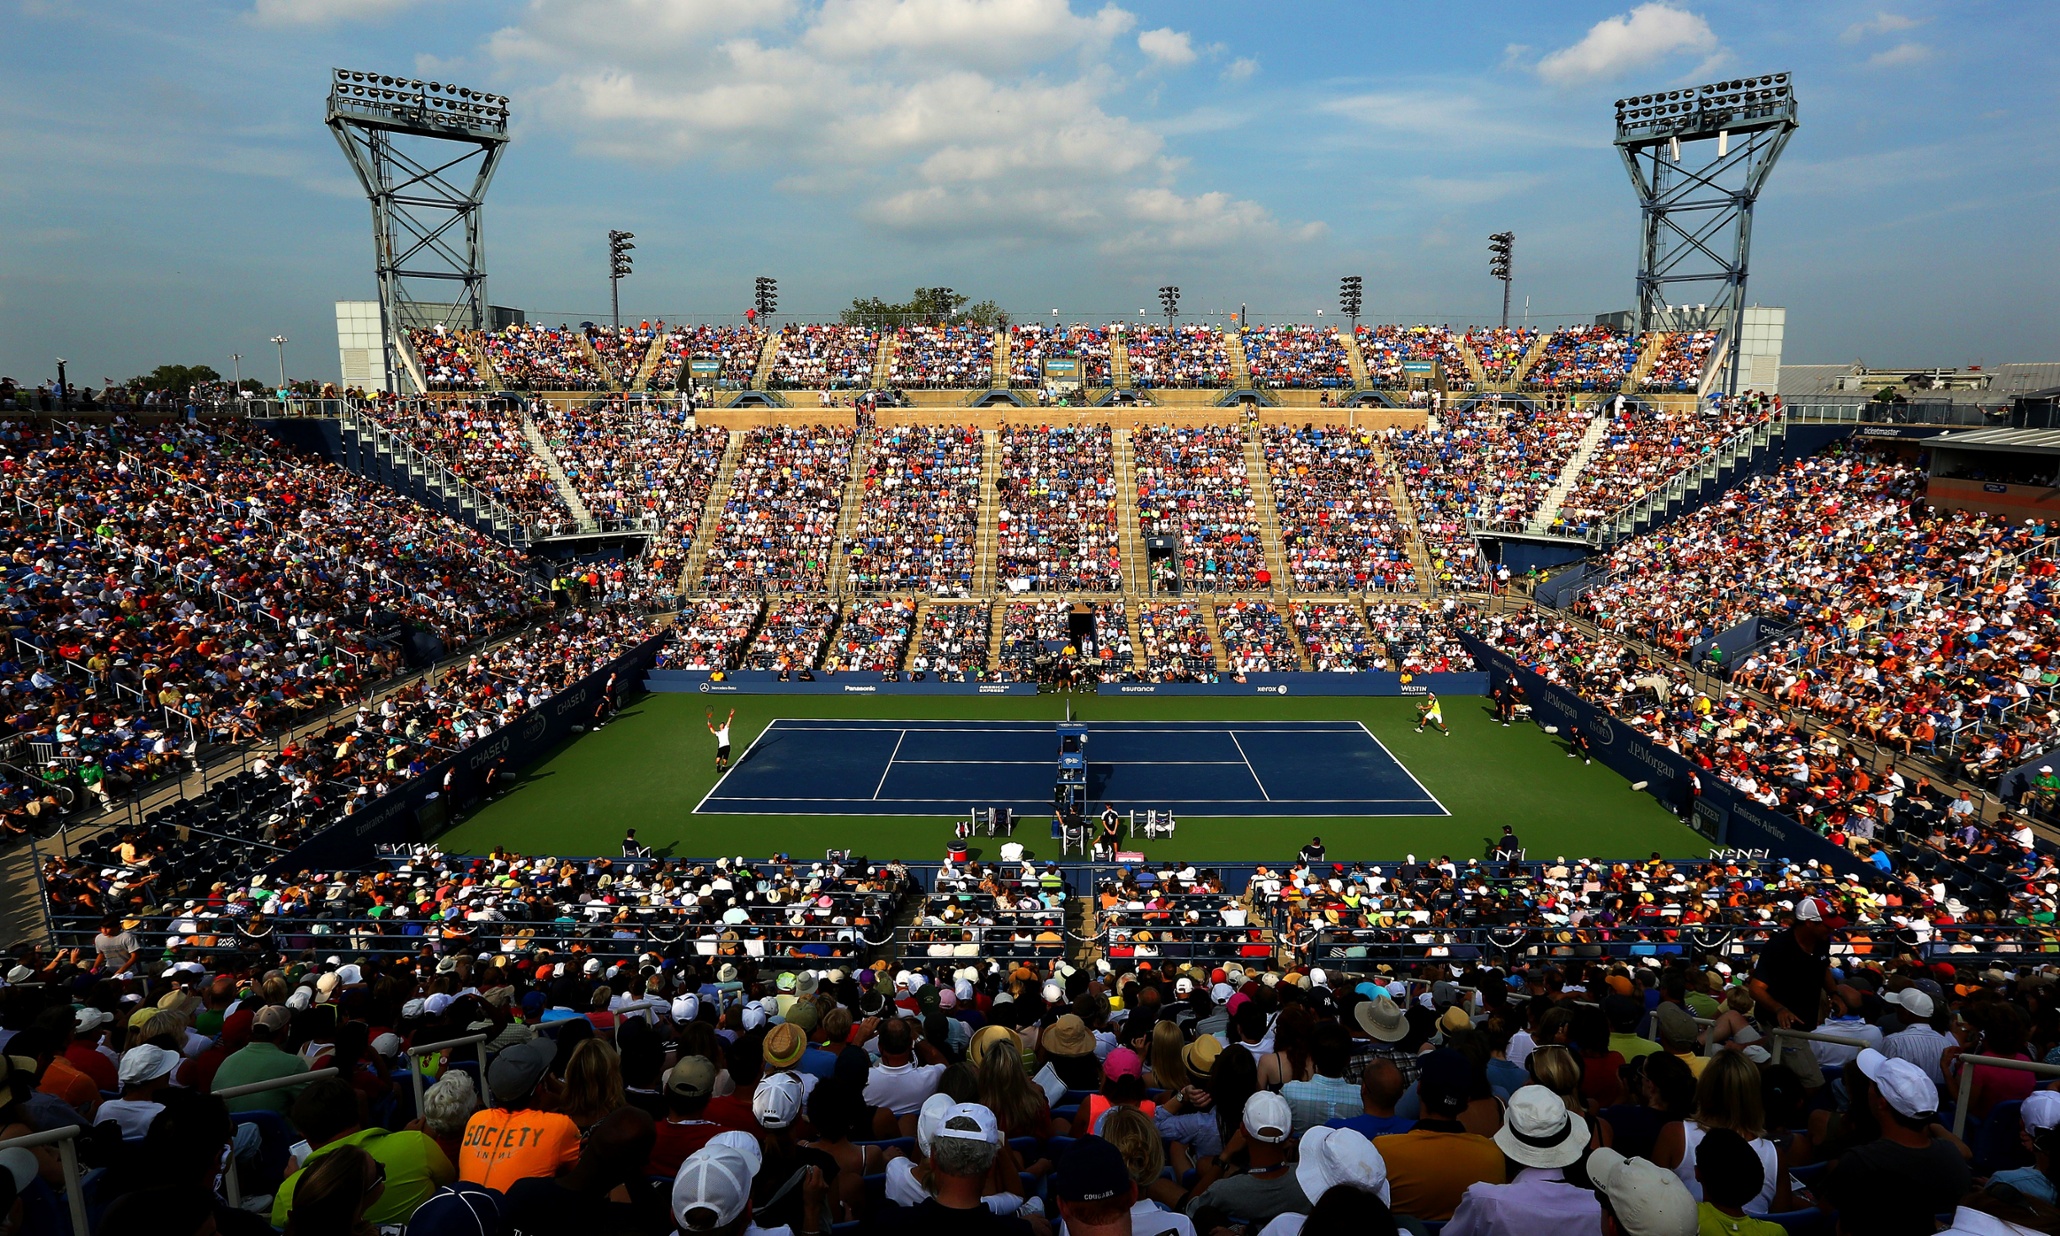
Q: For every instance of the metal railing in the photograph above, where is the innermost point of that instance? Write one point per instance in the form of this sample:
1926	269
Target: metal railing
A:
425	1049
232	1184
66	1141
1966	1091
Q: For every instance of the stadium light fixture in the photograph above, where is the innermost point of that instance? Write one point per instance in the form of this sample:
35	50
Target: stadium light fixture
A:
618	268
1169	300
1501	259
766	295
280	342
236	359
1351	290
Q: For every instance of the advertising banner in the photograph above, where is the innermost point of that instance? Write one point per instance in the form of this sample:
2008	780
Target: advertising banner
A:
766	682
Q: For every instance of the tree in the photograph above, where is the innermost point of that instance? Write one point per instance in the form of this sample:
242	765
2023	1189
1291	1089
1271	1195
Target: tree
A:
927	305
176	378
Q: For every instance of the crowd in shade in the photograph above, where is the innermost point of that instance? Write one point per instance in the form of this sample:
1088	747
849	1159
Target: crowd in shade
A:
942	355
1926	630
735	349
1256	638
1644	446
1420	637
177	586
1056	523
1176	645
1336	637
779	521
622	349
919	510
1041	631
824	357
792	637
1584	358
1031	345
1338	524
636	462
1490	459
872	636
711	634
1295	357
482	444
1390	349
1192	486
1191	355
952	646
445	364
542	358
692	1046
1678	364
1500	349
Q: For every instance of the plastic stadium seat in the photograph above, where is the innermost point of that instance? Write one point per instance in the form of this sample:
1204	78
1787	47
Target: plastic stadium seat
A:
1997	1144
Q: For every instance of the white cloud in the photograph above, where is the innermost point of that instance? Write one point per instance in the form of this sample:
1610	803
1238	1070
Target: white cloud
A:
1880	23
325	12
1899	55
1446	120
1240	69
932	117
1167	46
1638	39
1164	219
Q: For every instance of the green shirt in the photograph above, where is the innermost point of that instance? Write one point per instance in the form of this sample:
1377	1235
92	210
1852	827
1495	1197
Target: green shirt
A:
1630	1046
415	1168
256	1062
1709	1221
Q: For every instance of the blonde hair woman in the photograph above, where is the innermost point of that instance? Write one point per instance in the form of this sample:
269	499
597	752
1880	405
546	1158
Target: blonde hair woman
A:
593	1083
1726	1097
1168	1071
1136	1138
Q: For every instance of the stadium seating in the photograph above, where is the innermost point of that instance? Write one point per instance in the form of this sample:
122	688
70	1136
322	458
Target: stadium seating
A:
483	445
917	517
1500	349
1030	345
952	646
1192	486
1295	357
637	463
622	349
1336	637
1643	448
1176	643
792	636
1679	363
1185	356
1256	638
780	519
710	634
1584	358
1388	348
1056	523
541	358
926	356
734	348
445	364
824	357
1337	522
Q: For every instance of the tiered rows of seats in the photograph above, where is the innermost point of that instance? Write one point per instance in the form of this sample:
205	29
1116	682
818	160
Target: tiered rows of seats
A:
1191	485
779	522
1500	349
1256	638
445	364
916	525
709	634
1678	365
952	646
1183	356
1645	447
1295	357
639	463
824	357
1388	348
735	347
1490	459
541	358
1337	523
1056	522
622	348
1584	358
1176	643
926	356
873	635
1418	637
484	446
1030	345
792	635
1336	636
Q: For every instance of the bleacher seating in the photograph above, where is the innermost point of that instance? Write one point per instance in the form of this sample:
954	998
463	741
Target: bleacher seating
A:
1338	524
1056	520
827	357
1295	357
1192	486
917	518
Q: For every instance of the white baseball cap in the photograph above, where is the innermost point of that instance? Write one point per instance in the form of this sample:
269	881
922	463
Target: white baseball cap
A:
714	1180
89	1019
929	1117
743	1145
777	1101
987	1129
1913	1000
1339	1156
1648	1199
1184	987
145	1061
1903	1084
1268	1118
2041	1110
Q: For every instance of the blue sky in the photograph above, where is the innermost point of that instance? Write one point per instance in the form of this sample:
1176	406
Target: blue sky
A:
170	192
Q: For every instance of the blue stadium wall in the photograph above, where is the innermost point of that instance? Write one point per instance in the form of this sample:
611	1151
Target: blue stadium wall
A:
766	682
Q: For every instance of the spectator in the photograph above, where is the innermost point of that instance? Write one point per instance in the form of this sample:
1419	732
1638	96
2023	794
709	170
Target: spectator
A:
413	1166
1539	1139
1732	1178
1894	1184
520	1136
1726	1097
1252	1179
1328	1096
1431	1166
337	1195
1640	1198
612	1156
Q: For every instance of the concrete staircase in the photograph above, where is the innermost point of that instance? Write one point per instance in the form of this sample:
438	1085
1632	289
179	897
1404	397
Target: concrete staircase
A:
586	347
711	511
555	469
1523	367
988	535
1261	482
1000	381
1134	629
761	374
1405	513
847	516
373	451
994	632
1302	657
883	361
1548	510
1119	362
1647	357
411	363
1137	578
474	343
1217	657
654	356
1240	368
1362	377
915	632
1477	375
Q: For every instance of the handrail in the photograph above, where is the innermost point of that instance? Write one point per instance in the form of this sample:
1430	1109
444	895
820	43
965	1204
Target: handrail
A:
1966	1093
423	1049
66	1141
232	1185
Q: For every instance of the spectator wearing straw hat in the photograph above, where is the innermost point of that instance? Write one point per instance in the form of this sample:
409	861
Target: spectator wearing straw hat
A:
1540	1139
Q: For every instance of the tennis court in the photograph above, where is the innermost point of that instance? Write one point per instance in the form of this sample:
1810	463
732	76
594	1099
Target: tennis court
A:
1270	769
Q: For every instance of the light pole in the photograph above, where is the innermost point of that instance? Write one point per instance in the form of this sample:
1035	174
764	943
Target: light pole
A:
64	390
1501	257
279	341
236	359
618	266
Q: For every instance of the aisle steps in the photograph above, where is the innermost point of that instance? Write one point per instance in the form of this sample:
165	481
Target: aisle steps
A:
711	513
1555	497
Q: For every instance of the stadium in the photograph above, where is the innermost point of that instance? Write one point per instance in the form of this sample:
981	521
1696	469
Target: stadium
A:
1173	772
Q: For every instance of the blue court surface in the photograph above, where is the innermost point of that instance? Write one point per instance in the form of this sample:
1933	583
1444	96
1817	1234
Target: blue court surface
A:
1195	768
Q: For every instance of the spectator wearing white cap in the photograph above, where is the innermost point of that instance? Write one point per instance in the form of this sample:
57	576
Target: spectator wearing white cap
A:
146	1070
962	1150
2037	1120
1335	1161
1919	1041
1540	1139
711	1196
1894	1184
1640	1198
1267	1188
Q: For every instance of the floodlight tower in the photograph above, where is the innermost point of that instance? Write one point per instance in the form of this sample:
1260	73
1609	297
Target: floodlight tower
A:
1169	300
425	153
1698	158
1351	297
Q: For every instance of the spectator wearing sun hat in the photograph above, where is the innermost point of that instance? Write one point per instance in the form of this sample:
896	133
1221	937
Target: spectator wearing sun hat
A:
1640	1198
1540	1139
1332	1159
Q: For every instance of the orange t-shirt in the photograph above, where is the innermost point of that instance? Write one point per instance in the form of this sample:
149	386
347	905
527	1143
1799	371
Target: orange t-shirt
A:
68	1082
502	1147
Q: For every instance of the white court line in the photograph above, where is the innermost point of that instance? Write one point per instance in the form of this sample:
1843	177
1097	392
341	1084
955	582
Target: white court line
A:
1248	765
1091	763
733	766
890	765
1442	809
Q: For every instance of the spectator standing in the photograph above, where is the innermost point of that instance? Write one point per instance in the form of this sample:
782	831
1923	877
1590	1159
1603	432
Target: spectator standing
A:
1792	977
